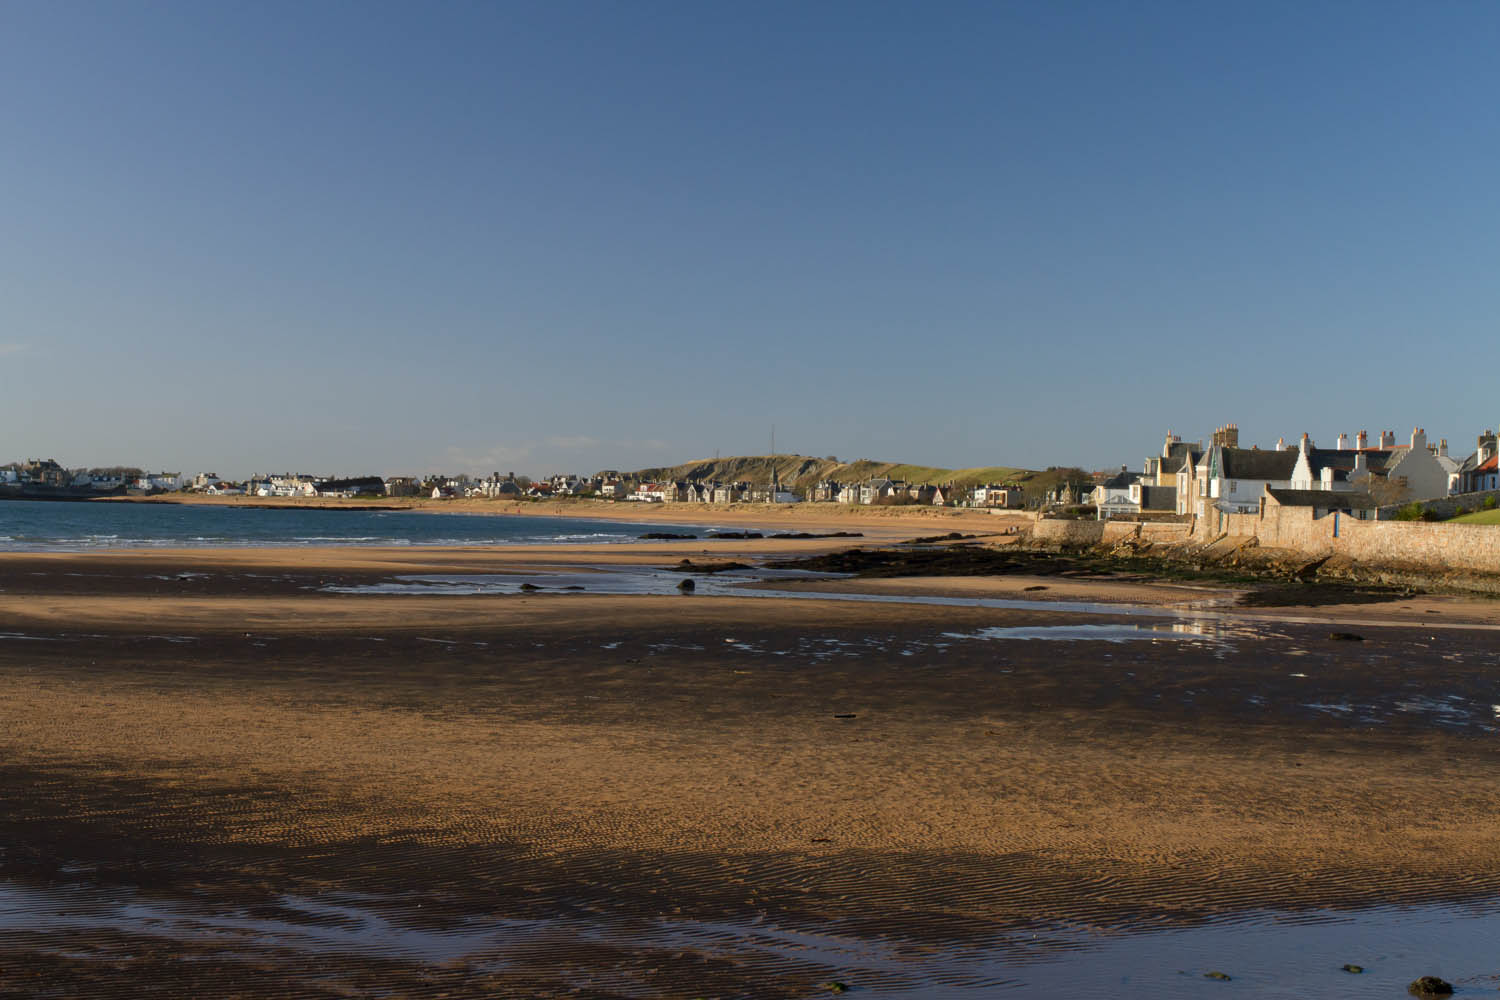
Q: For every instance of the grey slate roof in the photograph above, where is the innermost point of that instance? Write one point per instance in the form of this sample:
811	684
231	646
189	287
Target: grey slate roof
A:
1376	459
1331	499
1179	451
1252	463
1191	455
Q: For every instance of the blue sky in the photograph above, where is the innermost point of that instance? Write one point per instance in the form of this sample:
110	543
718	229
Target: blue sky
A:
391	237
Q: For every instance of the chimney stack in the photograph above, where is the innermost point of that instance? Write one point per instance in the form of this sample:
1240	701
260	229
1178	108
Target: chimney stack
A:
1387	439
1362	440
1443	447
1228	436
1343	442
1281	444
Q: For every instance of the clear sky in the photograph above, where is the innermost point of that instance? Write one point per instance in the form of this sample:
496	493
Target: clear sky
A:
407	237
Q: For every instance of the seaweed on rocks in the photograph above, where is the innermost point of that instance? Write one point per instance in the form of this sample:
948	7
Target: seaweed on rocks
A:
809	534
940	562
1263	589
688	566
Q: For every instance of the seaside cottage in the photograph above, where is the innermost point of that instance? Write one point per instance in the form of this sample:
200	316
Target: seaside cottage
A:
997	496
880	490
1358	505
1481	470
1118	496
824	491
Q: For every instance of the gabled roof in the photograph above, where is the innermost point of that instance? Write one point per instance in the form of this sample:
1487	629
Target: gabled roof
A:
1343	459
1178	452
1252	463
1331	499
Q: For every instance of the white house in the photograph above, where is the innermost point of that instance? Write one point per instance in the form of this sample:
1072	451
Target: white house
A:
164	481
1118	496
991	495
651	493
1228	479
1422	471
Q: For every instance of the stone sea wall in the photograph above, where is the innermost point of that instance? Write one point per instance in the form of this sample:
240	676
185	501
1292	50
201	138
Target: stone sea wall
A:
1462	556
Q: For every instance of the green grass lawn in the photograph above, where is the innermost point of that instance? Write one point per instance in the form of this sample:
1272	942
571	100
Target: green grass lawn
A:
1478	517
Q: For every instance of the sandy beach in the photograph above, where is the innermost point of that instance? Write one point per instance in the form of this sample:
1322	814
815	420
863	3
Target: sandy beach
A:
635	782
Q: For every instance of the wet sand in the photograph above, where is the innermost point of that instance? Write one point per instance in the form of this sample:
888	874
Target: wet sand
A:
590	795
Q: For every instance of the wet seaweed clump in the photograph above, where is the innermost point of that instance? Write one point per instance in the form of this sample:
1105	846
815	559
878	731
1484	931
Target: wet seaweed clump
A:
1311	595
1430	986
809	534
966	561
664	536
740	535
688	566
952	536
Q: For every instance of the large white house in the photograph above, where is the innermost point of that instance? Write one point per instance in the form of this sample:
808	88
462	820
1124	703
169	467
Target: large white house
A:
1417	471
1228	479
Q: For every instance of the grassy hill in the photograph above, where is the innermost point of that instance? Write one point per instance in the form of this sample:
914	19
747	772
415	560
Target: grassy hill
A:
1478	517
801	471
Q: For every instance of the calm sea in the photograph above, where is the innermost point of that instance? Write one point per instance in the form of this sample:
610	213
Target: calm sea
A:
31	525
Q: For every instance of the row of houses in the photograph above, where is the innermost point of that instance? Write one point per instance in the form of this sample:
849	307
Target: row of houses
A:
1356	476
49	474
876	491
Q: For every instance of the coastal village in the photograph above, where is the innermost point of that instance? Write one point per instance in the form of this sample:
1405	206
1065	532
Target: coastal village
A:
1364	476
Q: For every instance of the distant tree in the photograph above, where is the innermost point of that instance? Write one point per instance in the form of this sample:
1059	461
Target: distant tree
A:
1385	491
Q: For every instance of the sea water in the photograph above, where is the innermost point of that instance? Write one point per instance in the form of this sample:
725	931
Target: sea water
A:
59	526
